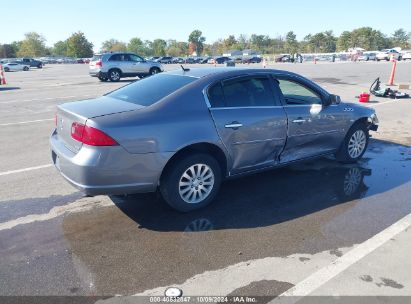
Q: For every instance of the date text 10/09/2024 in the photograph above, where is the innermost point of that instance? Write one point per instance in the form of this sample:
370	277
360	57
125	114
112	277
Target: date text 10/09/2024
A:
205	299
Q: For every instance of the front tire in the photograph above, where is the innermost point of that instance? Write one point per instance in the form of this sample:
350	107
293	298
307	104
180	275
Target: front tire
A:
25	69
354	145
191	182
114	75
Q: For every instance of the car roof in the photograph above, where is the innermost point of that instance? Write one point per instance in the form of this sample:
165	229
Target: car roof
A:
226	71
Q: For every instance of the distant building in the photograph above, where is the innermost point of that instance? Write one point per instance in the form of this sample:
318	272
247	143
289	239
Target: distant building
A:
248	52
233	53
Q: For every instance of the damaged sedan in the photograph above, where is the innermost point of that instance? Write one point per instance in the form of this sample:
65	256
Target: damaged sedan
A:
183	132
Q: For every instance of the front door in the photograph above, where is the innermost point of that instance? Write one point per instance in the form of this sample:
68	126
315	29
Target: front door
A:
136	64
313	128
249	120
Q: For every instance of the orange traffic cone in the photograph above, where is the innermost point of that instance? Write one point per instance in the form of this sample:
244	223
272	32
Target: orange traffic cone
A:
264	63
392	58
391	80
3	79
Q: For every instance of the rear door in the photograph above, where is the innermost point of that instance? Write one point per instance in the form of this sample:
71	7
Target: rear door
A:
249	120
313	129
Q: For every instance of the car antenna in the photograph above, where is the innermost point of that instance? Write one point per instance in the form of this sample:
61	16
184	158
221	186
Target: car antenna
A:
184	69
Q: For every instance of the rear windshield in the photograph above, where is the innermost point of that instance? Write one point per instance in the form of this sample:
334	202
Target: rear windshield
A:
149	90
96	57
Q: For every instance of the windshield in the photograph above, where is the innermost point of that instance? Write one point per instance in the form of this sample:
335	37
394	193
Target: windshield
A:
148	91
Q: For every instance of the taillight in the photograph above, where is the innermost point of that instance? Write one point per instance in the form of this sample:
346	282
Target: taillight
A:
99	63
91	136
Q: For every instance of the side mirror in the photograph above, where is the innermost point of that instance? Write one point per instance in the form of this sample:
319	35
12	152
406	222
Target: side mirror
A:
332	99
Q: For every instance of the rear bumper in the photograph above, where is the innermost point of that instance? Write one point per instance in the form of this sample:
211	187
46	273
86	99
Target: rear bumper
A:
107	170
97	73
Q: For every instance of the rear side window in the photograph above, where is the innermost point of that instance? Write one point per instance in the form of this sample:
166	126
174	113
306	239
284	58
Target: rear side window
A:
248	92
118	57
216	96
149	90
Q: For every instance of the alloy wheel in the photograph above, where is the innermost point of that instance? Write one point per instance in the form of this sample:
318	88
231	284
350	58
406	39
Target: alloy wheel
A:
196	183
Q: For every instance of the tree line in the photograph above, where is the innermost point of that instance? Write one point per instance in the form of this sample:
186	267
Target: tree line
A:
77	45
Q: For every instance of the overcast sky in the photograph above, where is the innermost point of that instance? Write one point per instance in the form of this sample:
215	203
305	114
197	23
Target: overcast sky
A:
175	19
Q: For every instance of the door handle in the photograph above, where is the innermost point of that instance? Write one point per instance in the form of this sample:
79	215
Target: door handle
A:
234	125
299	120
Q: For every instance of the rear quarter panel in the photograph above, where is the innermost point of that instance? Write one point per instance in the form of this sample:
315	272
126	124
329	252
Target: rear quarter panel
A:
179	120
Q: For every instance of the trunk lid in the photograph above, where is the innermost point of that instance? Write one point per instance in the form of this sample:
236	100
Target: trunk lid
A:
81	111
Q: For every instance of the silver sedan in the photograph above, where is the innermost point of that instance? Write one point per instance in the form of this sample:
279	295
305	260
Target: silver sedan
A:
185	131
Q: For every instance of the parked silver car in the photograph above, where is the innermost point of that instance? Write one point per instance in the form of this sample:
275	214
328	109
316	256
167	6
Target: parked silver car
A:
114	66
185	131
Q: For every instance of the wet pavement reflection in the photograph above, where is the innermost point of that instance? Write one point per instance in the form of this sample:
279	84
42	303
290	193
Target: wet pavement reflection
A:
140	243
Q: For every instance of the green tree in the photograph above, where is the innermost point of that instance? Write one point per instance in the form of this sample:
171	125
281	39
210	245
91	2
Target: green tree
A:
34	45
230	43
175	48
243	42
344	41
197	40
291	43
323	42
60	48
136	45
113	45
78	46
7	51
401	38
159	47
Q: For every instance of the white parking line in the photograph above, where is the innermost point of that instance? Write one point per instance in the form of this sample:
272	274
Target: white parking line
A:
325	274
25	122
48	98
25	169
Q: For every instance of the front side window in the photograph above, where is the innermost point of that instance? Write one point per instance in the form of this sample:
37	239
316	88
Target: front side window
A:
297	94
135	58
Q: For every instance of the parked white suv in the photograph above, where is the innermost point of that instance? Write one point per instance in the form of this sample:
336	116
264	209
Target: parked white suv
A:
406	55
113	66
386	55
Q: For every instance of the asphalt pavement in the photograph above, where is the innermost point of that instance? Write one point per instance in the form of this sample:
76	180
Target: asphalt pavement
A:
320	228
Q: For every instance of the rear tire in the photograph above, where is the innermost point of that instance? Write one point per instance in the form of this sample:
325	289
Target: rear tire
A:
354	144
6	69
103	79
154	71
114	75
191	182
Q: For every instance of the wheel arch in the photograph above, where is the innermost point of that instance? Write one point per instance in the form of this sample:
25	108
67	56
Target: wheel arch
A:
203	147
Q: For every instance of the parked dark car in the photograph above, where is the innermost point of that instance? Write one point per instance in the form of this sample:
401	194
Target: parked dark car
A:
178	60
165	59
185	131
221	60
190	60
252	60
204	60
283	58
33	63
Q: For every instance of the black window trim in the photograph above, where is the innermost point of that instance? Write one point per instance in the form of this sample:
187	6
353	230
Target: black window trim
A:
276	97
